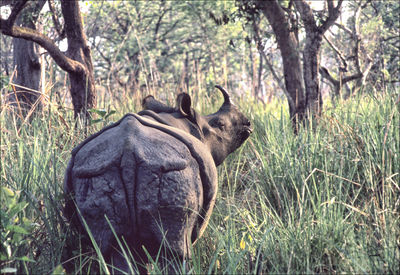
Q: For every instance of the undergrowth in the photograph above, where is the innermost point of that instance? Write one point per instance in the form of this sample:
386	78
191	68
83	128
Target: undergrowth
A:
324	201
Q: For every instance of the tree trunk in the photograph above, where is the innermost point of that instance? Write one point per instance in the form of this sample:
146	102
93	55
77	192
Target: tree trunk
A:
288	45
301	101
311	73
27	63
252	69
259	77
358	50
311	60
82	82
360	83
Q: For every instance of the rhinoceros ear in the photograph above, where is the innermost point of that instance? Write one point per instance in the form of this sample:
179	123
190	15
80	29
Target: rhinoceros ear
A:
183	104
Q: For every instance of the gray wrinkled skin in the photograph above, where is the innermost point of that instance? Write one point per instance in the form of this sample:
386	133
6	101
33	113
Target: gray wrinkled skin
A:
153	175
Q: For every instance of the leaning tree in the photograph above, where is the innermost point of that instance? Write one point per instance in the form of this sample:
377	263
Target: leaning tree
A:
76	61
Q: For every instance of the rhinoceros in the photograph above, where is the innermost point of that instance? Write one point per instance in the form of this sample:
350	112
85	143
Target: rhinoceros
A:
153	175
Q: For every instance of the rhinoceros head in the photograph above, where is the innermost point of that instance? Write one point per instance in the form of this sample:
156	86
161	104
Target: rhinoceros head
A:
222	132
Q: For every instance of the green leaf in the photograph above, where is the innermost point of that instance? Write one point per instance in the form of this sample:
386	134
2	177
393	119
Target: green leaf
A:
8	270
58	270
17	208
5	218
93	121
7	191
25	259
3	257
110	113
100	112
17	229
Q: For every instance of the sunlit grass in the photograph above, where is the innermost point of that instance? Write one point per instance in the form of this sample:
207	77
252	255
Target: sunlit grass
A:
322	201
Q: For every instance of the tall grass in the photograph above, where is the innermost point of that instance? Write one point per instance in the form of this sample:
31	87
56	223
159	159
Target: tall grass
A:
322	201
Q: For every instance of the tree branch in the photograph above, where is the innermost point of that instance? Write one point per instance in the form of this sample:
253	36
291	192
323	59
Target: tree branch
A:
344	28
7	27
352	77
6	2
63	61
333	14
60	31
260	48
325	74
306	15
158	24
337	51
16	9
73	22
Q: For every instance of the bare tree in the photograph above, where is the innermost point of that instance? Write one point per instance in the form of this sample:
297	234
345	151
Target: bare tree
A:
76	61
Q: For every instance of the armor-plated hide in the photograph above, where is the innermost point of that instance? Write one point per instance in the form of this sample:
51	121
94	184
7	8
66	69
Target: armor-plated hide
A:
153	176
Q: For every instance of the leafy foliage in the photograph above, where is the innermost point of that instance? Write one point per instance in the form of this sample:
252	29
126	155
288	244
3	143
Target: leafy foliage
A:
173	45
102	113
15	230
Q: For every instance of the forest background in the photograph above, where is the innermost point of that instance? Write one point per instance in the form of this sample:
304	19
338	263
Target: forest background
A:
316	193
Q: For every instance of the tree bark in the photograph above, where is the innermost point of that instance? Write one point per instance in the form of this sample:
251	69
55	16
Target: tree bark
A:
303	101
311	60
259	76
82	82
358	49
27	63
288	45
252	69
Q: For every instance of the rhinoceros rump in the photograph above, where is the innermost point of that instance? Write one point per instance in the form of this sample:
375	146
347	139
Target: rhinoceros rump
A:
153	175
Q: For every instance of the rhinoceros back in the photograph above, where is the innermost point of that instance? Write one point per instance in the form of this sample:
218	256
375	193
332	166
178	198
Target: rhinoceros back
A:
142	175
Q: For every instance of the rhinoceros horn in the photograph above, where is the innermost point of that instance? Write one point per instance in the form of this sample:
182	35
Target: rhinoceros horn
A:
227	100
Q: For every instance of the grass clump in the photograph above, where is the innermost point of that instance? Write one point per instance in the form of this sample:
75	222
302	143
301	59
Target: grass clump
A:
323	201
